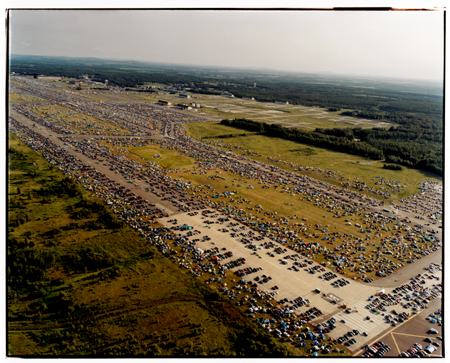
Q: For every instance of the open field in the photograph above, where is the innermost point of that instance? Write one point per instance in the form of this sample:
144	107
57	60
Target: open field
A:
168	159
220	107
212	129
289	155
14	97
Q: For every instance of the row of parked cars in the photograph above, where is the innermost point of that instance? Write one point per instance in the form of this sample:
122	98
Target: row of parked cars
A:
347	339
340	283
235	263
247	271
328	276
416	351
376	350
327	326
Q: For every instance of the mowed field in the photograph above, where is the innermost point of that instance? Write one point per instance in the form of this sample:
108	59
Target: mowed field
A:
212	130
167	158
220	107
283	153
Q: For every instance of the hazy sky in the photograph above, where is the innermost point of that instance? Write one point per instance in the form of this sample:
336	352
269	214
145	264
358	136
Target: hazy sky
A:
394	44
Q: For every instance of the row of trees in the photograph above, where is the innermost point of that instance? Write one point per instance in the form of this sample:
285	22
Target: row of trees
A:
392	167
410	145
307	137
418	145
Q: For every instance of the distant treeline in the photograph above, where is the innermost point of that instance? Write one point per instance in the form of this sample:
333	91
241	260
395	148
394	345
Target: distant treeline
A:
416	106
384	105
395	116
390	101
413	146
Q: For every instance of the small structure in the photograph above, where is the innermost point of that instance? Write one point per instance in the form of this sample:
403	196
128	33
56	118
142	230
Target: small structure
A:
182	95
227	94
282	102
184	107
164	103
78	82
50	78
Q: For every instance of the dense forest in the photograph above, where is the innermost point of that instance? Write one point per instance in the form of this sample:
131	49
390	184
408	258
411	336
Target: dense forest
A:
417	146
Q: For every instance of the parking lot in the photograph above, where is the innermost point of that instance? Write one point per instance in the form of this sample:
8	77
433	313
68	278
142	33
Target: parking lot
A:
295	276
415	331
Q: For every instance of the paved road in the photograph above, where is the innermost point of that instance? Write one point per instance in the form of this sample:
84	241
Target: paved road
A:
414	330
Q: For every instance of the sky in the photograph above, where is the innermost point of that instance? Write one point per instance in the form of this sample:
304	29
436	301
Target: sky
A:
407	44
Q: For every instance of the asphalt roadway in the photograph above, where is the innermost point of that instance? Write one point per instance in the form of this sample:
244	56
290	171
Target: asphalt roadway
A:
414	330
291	283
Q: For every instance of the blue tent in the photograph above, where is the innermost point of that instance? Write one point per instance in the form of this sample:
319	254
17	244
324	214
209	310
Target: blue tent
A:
315	354
310	336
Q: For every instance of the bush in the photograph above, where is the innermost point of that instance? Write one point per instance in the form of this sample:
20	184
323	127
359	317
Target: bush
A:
392	167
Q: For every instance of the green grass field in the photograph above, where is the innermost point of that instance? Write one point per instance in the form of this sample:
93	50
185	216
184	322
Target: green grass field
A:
349	166
211	130
219	107
168	159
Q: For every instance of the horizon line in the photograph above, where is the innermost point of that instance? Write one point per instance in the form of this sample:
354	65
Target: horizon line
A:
330	73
